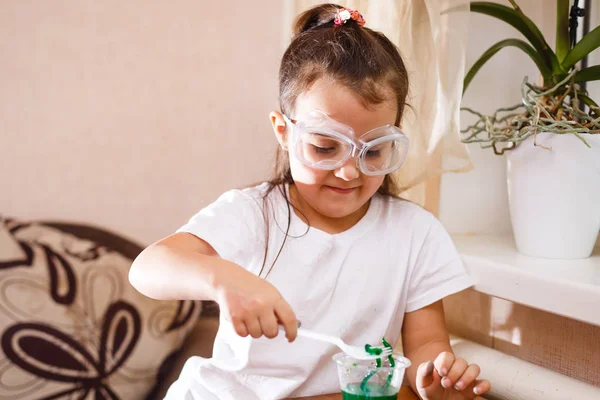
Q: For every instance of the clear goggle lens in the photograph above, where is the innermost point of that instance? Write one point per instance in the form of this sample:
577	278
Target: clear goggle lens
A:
382	154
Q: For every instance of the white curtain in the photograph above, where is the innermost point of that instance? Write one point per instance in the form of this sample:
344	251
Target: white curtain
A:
432	38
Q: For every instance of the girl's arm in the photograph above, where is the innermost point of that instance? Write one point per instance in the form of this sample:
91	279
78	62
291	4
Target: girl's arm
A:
179	267
435	373
183	266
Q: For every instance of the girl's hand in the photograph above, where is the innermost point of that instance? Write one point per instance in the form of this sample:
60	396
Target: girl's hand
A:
450	378
253	305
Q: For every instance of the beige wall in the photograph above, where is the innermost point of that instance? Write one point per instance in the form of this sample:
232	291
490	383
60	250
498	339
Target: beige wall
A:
133	115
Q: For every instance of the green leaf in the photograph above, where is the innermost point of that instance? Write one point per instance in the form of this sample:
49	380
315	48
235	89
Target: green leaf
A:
563	42
535	56
523	25
588	74
585	46
586	100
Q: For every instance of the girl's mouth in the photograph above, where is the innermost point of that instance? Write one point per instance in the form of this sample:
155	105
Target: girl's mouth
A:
340	190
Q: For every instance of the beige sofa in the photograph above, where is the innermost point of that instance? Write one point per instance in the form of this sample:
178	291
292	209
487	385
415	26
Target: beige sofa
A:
198	343
72	325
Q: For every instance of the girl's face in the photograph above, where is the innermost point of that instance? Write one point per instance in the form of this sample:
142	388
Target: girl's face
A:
343	192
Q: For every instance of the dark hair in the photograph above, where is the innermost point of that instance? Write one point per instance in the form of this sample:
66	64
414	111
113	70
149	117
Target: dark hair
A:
357	57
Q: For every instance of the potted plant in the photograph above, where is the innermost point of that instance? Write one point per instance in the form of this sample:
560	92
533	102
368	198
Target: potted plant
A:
551	139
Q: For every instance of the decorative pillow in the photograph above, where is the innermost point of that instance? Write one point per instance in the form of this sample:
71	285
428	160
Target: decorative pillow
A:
71	325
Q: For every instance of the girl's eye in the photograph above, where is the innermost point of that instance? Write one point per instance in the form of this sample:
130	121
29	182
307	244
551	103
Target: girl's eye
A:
323	150
373	153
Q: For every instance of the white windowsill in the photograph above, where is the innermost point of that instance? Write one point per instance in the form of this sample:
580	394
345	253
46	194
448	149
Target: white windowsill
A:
570	288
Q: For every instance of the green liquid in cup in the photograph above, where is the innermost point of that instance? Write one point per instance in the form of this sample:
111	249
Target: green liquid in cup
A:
377	392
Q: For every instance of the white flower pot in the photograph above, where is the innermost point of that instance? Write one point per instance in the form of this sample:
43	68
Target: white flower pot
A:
554	196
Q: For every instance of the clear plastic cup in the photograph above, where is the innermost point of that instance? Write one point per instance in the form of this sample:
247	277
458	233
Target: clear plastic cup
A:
362	380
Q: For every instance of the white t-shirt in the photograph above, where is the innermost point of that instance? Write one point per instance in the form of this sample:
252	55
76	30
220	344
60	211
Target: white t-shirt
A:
357	285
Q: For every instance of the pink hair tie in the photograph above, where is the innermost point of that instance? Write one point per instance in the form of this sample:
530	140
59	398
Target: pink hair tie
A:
344	14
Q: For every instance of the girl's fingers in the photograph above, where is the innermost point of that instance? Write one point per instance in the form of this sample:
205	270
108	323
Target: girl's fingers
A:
268	324
444	362
239	326
469	375
287	318
456	371
481	387
253	327
425	375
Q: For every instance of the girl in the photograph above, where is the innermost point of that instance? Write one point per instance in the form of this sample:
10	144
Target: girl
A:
325	242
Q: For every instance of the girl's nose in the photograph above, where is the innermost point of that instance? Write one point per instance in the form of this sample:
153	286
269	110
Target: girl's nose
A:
349	171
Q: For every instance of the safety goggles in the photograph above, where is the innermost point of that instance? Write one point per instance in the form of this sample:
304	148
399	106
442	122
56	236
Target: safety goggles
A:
321	142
